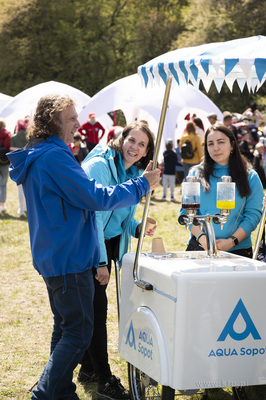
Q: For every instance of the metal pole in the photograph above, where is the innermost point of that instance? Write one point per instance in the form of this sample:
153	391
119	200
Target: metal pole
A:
137	281
118	288
259	235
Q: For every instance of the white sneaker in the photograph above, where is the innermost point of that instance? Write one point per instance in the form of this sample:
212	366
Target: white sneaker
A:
20	212
3	207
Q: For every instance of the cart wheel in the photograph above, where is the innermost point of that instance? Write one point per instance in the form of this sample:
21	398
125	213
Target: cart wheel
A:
142	387
239	393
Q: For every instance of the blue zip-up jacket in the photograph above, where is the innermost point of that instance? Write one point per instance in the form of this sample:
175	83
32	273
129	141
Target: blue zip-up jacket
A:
100	164
61	205
250	214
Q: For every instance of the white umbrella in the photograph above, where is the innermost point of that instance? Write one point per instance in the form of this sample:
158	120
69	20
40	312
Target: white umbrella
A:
25	102
240	60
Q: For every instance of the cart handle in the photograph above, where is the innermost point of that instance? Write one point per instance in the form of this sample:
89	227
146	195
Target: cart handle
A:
140	283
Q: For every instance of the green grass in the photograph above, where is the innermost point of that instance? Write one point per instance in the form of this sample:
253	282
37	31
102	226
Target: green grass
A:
26	319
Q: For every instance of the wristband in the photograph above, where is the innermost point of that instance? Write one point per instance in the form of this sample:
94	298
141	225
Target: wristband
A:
199	236
235	240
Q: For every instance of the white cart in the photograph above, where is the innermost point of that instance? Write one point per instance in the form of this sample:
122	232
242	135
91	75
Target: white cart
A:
202	326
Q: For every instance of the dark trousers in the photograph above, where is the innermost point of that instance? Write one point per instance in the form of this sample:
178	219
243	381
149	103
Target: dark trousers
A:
243	252
71	301
96	356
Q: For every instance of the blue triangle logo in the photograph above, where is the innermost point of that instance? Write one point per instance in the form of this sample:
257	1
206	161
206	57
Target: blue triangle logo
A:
250	329
131	336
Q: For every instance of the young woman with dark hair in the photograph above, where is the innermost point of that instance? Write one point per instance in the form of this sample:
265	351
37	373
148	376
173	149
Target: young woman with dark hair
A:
222	157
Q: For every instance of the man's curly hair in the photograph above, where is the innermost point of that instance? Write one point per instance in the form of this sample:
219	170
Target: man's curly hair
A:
46	120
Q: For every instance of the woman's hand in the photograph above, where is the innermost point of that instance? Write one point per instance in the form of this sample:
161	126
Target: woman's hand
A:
224	244
102	275
151	231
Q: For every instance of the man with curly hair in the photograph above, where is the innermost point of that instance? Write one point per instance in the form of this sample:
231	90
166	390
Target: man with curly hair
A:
61	204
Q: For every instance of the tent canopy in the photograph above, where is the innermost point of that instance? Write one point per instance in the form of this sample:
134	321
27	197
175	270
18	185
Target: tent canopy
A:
241	60
25	102
4	99
136	102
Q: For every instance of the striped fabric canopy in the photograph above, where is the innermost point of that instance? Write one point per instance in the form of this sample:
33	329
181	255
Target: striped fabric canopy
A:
240	60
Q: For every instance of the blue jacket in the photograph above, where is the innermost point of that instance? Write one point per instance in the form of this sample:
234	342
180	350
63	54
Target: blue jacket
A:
100	165
249	215
61	205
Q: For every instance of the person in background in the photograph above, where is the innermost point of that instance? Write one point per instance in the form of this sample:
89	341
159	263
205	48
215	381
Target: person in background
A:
179	167
258	162
169	166
114	133
212	118
5	138
91	130
19	140
253	114
61	206
199	128
124	158
190	135
223	158
227	121
244	145
80	150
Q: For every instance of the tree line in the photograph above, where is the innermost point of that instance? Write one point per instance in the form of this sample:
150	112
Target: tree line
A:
89	44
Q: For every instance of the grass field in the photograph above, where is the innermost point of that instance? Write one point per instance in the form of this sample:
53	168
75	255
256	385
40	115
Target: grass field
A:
26	320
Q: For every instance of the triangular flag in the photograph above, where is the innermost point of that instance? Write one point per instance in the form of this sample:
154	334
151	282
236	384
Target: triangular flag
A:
229	65
246	65
218	83
230	82
207	83
241	83
260	66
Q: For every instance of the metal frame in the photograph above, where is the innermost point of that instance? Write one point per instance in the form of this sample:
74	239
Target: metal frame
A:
140	283
259	235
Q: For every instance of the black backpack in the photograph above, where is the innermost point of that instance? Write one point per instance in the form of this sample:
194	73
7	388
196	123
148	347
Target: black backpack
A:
3	158
187	151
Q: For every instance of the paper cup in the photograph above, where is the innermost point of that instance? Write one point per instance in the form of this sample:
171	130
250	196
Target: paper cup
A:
157	245
150	223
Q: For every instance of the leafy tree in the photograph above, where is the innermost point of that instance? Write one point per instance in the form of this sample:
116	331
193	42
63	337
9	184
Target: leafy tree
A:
209	21
84	43
90	44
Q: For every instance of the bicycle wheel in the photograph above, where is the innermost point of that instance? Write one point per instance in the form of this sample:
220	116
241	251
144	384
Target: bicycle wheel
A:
143	387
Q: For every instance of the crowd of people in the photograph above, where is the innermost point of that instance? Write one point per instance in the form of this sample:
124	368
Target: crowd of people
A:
60	164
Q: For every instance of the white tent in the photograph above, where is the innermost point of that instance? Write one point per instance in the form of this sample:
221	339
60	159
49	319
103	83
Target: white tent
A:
4	99
129	95
25	102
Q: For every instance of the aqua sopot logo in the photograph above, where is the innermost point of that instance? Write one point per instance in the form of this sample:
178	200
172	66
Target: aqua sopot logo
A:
249	330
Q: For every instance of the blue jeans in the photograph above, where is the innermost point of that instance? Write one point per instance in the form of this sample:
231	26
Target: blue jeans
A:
3	182
71	301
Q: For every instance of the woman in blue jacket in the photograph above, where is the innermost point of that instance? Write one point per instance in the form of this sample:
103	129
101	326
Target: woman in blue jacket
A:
222	157
124	158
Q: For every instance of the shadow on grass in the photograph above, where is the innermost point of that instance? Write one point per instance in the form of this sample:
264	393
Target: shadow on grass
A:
5	215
